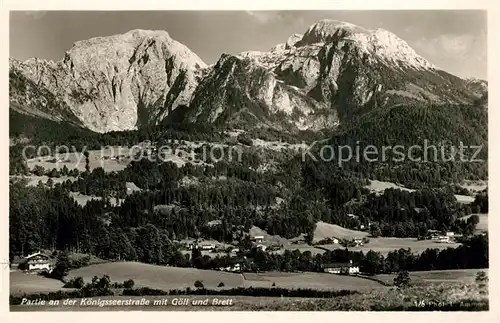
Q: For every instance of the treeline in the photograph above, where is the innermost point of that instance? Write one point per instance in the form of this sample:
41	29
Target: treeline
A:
472	254
242	291
49	218
440	129
145	226
481	202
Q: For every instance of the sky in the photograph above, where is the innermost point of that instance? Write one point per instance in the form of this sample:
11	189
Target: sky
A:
454	41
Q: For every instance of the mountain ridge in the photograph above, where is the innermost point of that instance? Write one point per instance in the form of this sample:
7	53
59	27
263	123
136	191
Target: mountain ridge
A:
333	72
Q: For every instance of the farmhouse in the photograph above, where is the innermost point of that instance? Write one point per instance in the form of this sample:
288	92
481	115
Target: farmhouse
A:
444	239
234	268
341	268
258	239
37	261
207	246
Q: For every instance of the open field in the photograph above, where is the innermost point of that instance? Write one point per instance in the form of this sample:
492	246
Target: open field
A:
482	226
33	180
21	283
385	245
380	186
106	158
475	186
83	199
114	158
268	239
465	276
319	281
379	298
464	199
325	230
132	188
162	277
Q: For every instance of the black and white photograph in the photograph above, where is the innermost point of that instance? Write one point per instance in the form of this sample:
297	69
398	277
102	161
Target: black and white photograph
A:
212	160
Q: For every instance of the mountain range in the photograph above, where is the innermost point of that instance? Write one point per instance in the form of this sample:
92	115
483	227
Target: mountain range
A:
333	73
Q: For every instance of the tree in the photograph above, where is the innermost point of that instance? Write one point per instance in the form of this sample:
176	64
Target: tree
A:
482	281
128	284
309	237
50	182
38	170
196	256
54	173
62	266
87	161
221	284
198	284
402	280
78	282
103	283
373	263
375	230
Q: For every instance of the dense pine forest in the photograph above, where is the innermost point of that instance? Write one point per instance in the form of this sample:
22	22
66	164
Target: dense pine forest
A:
287	199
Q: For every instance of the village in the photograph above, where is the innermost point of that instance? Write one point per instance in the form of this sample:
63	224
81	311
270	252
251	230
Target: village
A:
39	262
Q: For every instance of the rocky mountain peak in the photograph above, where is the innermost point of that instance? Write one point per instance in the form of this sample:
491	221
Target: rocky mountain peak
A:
331	73
378	43
119	82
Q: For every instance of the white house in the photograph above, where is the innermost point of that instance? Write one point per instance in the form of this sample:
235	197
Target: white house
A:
236	268
37	261
444	239
207	246
342	268
258	239
450	234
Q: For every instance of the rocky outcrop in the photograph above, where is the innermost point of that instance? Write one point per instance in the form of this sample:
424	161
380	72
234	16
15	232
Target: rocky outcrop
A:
119	82
333	72
242	93
352	69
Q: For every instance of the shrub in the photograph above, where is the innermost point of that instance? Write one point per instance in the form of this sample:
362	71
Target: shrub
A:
76	282
402	280
82	262
128	283
482	281
221	284
198	284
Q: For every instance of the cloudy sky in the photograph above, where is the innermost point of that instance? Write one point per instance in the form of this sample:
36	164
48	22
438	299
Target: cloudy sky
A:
453	40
